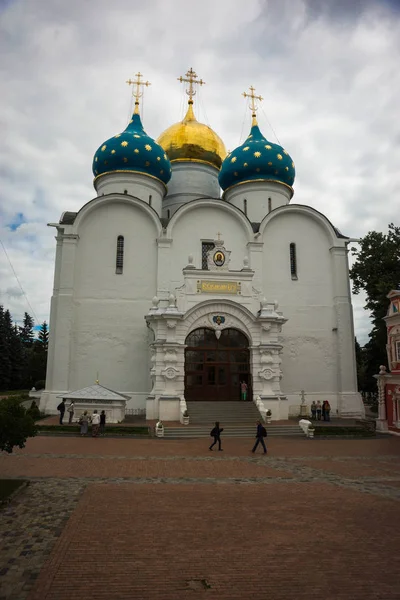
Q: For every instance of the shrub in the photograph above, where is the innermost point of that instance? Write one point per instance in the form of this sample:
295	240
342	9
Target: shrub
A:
16	425
34	411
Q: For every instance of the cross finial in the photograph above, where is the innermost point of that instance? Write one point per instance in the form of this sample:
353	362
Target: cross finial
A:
219	236
137	93
191	79
253	106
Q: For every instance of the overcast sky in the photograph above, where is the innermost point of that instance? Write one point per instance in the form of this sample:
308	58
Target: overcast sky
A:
328	70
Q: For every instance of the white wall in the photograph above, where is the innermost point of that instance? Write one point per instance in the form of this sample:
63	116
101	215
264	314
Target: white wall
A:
309	355
109	334
203	222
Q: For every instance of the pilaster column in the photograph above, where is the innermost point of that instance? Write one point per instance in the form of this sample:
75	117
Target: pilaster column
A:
163	266
61	320
346	362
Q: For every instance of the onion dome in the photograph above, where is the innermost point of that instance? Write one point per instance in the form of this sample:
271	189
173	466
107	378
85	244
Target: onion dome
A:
192	141
132	151
257	159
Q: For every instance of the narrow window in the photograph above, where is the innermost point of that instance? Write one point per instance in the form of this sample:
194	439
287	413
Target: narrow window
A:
293	261
205	248
269	205
245	206
168	213
119	266
150	197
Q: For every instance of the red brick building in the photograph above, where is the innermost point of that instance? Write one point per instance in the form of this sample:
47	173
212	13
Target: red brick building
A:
389	382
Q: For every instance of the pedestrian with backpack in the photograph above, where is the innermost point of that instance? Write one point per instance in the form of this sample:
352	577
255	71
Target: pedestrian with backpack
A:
260	435
61	408
216	434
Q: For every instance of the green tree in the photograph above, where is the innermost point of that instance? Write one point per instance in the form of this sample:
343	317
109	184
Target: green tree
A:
43	336
5	364
376	271
38	362
26	331
15	425
360	363
17	360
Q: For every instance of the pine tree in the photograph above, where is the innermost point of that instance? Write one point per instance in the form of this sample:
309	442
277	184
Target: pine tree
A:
39	355
5	364
17	360
26	331
44	335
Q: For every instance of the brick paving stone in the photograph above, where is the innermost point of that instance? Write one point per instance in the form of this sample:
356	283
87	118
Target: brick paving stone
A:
100	467
389	445
29	526
220	489
284	542
353	469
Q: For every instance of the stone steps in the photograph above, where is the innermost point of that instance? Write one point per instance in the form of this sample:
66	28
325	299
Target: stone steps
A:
245	431
238	413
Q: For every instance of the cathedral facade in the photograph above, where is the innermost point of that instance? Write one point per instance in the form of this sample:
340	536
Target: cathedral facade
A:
170	291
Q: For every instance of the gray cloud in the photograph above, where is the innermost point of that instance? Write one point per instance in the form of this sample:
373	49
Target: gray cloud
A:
328	72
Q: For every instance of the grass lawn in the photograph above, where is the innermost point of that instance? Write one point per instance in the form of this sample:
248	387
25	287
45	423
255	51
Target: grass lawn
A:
75	429
8	486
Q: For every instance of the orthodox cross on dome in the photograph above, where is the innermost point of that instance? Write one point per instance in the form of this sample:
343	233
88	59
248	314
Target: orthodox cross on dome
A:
191	78
137	93
253	106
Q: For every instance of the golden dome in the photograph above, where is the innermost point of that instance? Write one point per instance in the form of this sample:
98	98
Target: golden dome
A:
190	140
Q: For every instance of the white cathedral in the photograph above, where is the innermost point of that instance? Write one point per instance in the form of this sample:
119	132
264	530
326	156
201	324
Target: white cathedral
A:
174	292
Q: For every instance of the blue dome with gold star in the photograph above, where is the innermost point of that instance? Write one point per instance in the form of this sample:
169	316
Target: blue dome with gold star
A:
132	151
257	159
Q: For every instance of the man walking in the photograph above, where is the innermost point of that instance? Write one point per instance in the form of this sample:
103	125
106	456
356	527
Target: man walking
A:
61	408
260	435
216	434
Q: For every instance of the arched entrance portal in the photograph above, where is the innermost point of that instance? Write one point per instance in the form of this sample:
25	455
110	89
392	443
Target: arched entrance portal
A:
214	368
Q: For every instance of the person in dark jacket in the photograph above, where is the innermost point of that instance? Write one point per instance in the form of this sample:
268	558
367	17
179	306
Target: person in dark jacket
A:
216	434
61	408
102	422
260	435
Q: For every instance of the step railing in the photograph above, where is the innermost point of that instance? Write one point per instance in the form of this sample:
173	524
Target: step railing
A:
261	407
183	412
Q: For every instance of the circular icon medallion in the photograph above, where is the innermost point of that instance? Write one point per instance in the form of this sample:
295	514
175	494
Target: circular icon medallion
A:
219	258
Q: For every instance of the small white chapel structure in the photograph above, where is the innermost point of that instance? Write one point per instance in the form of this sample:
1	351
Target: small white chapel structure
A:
177	292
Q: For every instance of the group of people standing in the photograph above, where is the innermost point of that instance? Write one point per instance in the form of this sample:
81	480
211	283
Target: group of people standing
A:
98	421
321	411
261	433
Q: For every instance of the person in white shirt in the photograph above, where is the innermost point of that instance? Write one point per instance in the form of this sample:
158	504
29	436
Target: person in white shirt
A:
70	410
95	424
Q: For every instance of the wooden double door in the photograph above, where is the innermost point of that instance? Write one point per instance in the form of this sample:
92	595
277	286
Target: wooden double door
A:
215	368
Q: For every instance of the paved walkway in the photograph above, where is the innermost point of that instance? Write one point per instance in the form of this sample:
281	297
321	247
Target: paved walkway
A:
159	519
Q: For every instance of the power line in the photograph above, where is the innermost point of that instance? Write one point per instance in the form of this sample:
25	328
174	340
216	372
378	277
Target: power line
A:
19	283
244	119
273	130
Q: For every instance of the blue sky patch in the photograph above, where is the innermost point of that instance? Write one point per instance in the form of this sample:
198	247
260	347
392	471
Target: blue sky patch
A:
17	221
